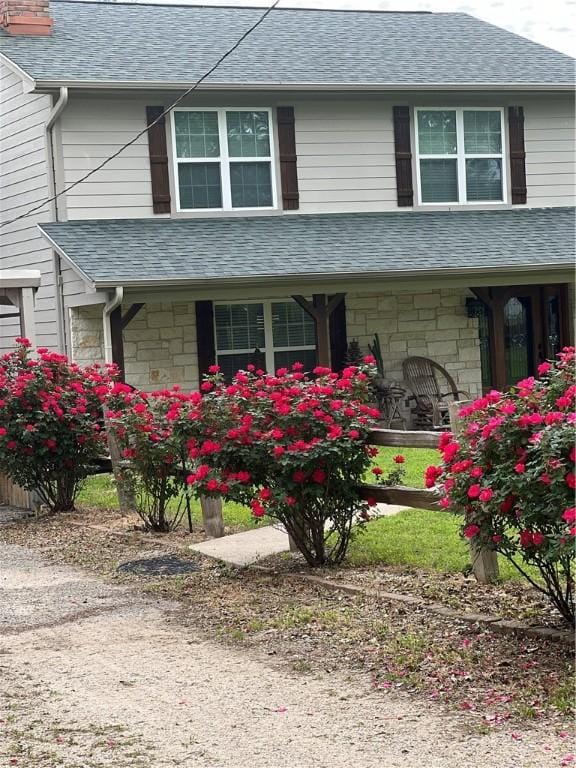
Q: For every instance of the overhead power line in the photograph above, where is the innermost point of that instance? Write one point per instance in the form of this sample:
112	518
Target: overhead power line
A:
40	206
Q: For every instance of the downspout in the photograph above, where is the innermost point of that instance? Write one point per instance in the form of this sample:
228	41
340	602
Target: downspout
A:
55	113
109	307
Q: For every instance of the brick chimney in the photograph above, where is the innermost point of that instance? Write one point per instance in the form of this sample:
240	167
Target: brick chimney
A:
26	17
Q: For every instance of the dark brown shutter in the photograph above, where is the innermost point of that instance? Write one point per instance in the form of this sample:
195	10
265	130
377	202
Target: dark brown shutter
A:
158	160
338	337
205	336
288	166
517	155
403	153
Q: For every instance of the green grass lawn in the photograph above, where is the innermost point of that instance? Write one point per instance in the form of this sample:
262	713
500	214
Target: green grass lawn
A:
415	537
99	492
418	538
417	459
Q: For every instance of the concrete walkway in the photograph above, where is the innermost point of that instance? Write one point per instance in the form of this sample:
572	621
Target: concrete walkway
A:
250	546
96	676
247	547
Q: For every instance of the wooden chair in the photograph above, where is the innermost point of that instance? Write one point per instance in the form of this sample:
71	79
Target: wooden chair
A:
430	410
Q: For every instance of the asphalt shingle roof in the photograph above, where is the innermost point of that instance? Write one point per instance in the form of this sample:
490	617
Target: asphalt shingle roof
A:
177	44
138	251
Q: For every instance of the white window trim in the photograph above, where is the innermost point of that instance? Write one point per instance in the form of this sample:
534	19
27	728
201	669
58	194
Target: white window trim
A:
224	159
461	156
267	350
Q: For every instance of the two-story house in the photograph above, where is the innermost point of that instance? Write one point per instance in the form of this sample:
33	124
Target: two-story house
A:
339	174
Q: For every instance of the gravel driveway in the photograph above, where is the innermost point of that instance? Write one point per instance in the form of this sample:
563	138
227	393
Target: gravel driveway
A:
93	675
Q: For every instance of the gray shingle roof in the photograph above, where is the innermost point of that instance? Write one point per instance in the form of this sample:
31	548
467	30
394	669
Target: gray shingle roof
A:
135	251
177	44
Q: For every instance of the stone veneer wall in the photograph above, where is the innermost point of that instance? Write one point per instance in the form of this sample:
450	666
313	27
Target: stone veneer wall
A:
159	344
432	324
86	335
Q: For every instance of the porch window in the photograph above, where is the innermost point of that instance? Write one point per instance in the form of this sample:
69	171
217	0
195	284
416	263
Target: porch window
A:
460	155
273	334
223	159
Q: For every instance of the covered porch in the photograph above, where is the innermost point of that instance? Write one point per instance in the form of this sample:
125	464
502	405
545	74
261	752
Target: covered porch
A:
485	294
17	289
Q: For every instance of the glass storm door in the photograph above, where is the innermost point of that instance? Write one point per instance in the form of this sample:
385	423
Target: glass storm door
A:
518	338
518	328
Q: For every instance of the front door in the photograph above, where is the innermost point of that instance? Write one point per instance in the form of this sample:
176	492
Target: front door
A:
519	328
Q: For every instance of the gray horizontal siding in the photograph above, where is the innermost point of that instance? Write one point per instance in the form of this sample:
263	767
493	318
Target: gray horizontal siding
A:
24	183
91	130
549	137
345	151
345	156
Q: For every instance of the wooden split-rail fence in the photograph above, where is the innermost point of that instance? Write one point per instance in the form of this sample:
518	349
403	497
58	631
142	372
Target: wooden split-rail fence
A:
484	563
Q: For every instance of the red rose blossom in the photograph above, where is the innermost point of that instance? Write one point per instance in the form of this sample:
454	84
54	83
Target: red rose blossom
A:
474	491
319	476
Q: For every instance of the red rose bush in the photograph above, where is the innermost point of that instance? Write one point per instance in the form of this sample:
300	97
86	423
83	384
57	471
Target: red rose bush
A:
510	474
153	452
289	446
50	422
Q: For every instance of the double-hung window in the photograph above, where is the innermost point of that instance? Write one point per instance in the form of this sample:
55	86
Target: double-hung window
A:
460	155
223	159
273	334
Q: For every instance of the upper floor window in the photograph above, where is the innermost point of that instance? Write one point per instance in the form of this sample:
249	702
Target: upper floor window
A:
223	159
460	155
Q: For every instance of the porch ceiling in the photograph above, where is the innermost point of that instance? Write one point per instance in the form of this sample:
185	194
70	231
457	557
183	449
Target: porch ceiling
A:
330	247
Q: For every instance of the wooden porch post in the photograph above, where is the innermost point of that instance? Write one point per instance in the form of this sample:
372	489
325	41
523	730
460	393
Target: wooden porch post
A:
320	304
27	323
498	343
118	322
320	310
117	340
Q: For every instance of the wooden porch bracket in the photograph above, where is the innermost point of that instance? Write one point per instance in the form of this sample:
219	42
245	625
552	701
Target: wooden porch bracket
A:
320	310
128	316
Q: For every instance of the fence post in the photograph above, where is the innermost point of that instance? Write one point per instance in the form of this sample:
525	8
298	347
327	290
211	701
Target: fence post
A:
126	496
484	560
212	516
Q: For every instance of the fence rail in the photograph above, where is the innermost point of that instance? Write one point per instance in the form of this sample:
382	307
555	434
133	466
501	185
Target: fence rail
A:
402	438
402	495
484	563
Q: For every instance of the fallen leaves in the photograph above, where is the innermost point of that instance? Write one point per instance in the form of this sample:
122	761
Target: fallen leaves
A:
490	680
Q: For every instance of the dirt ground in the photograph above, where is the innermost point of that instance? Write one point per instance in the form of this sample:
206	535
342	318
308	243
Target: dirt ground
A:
94	675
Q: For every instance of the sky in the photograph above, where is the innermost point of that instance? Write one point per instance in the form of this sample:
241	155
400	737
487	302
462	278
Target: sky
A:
550	22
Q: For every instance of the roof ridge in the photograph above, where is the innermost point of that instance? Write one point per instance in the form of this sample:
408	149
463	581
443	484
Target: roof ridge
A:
201	4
